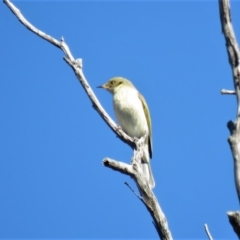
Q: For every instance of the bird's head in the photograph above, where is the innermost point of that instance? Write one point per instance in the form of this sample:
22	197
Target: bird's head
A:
116	83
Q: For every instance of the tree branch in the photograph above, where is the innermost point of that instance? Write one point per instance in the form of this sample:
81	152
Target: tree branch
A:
139	197
149	199
208	232
233	57
133	170
227	92
234	127
118	166
234	219
76	65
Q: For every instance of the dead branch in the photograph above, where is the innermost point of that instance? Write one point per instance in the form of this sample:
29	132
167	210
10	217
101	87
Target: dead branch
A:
208	232
234	127
76	65
234	219
227	92
133	170
148	198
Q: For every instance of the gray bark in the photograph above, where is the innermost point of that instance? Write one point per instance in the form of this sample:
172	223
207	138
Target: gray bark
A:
148	198
234	127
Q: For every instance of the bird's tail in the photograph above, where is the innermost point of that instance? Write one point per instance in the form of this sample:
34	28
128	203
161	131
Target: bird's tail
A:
147	171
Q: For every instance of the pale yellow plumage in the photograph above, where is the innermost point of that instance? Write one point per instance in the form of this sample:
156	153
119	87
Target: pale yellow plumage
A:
133	116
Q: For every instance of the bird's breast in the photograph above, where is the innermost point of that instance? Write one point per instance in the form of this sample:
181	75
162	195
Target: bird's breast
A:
129	112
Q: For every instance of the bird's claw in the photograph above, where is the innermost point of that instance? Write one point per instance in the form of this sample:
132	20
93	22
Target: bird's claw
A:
135	139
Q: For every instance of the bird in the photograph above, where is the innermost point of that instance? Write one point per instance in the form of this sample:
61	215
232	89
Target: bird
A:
133	117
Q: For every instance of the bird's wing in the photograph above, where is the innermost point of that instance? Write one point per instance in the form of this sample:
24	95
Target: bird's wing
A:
147	115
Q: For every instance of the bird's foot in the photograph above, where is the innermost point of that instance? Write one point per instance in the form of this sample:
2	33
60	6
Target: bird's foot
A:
135	139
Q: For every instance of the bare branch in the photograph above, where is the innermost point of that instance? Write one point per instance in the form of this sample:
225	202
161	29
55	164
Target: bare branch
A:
27	24
231	43
149	199
118	166
234	127
234	61
208	232
227	92
133	170
234	219
77	68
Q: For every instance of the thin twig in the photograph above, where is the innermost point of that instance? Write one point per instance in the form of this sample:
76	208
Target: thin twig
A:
208	232
233	126
139	197
227	92
234	61
150	200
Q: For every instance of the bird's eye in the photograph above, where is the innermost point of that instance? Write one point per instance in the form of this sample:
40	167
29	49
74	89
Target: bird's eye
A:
112	82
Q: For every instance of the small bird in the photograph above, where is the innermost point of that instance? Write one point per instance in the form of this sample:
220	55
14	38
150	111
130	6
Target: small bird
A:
133	117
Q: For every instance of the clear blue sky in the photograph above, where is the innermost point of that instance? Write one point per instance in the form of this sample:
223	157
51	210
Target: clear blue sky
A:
52	142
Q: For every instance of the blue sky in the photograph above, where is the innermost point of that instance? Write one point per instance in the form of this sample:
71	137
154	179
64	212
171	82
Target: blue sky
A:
52	181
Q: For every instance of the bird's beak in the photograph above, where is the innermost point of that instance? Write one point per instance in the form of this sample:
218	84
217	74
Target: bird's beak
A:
106	87
102	86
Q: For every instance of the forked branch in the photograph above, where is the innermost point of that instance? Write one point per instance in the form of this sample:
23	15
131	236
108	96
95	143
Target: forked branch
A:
234	127
132	170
